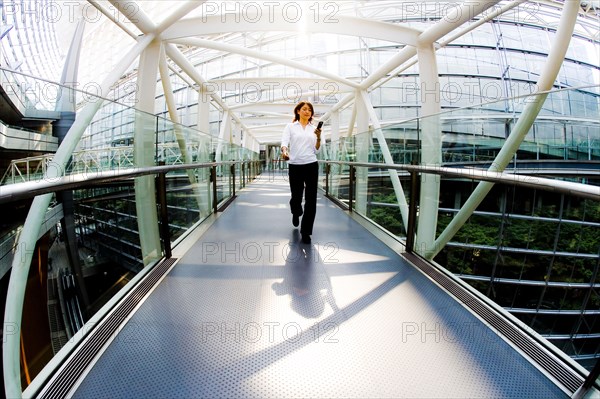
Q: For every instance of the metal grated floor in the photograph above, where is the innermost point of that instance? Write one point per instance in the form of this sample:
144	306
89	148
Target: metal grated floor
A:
250	311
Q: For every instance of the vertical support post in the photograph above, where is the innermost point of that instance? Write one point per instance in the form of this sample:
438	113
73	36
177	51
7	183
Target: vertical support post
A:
412	211
213	178
363	144
145	153
327	168
161	193
156	160
351	186
232	174
430	141
243	174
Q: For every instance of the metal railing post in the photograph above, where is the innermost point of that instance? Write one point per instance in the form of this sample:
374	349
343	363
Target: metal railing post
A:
351	187
161	192
213	178
243	174
327	169
232	172
412	211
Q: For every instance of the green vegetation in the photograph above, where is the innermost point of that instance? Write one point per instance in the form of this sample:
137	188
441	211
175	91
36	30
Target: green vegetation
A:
512	233
387	217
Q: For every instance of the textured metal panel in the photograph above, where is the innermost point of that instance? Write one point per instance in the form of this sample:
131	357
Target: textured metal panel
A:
541	355
250	311
75	366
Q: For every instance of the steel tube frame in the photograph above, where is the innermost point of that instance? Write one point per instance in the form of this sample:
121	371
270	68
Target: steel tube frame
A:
415	183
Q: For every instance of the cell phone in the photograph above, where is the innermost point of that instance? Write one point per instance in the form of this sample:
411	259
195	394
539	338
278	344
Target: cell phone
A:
320	124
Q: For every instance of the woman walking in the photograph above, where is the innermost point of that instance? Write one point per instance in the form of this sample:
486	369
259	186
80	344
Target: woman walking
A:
300	144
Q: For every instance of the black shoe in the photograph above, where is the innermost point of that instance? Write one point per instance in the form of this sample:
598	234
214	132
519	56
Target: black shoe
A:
296	220
306	238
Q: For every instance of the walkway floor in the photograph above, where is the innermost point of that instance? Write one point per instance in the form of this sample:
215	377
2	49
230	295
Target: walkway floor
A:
250	311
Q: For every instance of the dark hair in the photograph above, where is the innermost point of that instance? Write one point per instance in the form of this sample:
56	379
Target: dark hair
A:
297	110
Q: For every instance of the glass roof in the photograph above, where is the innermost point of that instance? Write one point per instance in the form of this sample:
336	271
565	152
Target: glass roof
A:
269	39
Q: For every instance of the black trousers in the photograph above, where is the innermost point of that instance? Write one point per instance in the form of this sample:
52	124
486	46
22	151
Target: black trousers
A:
303	181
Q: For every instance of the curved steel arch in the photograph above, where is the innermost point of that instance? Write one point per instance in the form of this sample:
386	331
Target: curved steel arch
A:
253	22
190	41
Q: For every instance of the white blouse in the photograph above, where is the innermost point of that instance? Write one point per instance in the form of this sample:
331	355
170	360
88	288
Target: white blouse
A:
301	143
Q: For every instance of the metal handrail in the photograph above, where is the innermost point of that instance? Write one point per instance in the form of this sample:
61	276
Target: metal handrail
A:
22	190
558	186
16	191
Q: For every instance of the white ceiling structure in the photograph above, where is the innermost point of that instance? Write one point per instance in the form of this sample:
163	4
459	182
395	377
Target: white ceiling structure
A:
272	53
199	31
209	29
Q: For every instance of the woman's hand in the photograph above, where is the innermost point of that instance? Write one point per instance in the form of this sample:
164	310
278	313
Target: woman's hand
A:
318	134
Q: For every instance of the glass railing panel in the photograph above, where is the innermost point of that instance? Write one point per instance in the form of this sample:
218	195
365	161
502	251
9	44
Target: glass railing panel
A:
530	257
566	299
104	240
108	250
223	151
189	197
14	87
401	141
108	143
61	295
594	300
339	183
475	134
224	182
519	239
534	252
107	224
373	193
339	174
382	204
517	297
35	97
239	176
